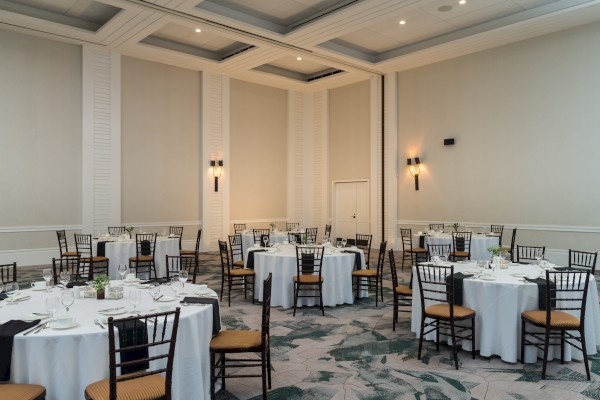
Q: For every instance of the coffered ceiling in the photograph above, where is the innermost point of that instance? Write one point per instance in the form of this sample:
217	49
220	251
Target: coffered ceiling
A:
295	44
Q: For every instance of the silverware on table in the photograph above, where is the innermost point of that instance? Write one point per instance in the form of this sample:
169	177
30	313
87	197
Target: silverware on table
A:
99	323
159	297
34	328
42	327
111	309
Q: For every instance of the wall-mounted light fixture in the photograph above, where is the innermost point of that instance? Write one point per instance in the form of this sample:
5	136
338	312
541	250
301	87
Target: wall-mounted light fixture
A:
216	167
414	169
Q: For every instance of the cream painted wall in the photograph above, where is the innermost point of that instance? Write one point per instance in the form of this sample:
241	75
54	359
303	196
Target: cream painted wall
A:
161	145
257	168
40	138
525	119
349	134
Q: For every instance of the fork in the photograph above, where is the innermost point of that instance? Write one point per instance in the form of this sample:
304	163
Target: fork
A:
42	327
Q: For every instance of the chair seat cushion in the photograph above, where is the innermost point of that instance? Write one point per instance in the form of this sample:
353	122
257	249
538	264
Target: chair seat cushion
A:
95	259
235	340
16	391
146	388
70	254
460	254
442	311
241	272
403	290
367	273
187	252
558	319
141	259
308	278
417	250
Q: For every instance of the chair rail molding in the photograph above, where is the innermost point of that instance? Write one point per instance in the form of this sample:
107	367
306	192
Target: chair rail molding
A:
528	227
39	228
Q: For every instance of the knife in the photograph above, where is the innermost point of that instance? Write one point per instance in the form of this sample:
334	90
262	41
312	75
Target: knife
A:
42	322
111	309
156	299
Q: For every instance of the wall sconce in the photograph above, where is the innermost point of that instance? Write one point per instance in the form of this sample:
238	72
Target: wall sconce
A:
216	167
414	169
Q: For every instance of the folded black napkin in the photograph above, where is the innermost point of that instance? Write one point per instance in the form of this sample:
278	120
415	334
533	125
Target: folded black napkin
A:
101	249
542	291
145	247
458	287
422	241
357	259
131	333
8	331
460	244
156	280
250	259
3	296
307	265
215	309
73	284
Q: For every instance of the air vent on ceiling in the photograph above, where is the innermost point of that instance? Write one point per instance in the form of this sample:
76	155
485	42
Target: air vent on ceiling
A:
323	13
321	76
237	52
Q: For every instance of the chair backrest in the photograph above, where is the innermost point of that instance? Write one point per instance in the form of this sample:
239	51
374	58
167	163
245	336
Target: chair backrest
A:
8	273
583	260
363	242
567	291
441	250
295	237
290	226
381	257
406	235
266	310
436	285
513	239
62	242
239	228
145	243
328	231
71	265
116	230
198	238
309	260
176	231
83	245
174	264
259	234
235	247
461	241
393	268
224	253
133	336
311	235
436	227
497	230
530	254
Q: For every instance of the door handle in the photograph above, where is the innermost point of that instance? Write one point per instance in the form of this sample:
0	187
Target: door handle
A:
354	215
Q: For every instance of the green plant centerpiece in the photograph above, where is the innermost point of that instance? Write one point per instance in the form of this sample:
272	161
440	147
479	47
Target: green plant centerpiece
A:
100	283
129	230
455	226
494	251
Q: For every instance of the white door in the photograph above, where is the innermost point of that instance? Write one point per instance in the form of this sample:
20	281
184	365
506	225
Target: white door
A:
351	209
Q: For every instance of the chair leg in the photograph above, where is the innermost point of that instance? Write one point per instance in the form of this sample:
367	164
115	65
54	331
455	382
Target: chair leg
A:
376	292
381	288
473	351
585	355
454	345
264	373
321	298
229	284
395	316
437	335
522	342
562	347
222	286
269	364
421	337
296	289
546	346
212	376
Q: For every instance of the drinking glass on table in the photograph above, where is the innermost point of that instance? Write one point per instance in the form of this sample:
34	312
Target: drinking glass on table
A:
154	290
12	290
338	244
64	277
122	270
52	305
183	277
176	285
67	298
47	275
265	240
135	296
344	242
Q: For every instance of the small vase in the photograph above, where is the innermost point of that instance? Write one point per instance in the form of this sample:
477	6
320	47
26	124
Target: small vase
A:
100	295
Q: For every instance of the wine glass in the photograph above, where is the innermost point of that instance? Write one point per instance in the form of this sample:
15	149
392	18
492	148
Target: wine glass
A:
12	290
175	285
67	298
154	290
338	244
52	306
135	295
65	277
122	270
344	242
183	277
47	274
265	240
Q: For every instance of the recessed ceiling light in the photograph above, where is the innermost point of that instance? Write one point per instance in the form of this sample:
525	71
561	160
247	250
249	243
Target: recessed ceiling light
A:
444	8
198	30
402	22
462	2
299	58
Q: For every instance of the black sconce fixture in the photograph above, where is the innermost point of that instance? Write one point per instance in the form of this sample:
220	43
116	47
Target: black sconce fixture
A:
217	168
414	169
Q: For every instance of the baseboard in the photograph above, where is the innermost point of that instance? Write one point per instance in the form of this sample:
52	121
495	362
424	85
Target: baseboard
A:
26	257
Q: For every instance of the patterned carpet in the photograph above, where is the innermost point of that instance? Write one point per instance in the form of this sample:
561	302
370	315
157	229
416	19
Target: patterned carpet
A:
352	353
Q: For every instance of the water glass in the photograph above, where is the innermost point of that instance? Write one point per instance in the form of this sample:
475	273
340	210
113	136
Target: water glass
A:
344	242
122	270
65	277
47	274
183	277
154	290
12	290
52	305
67	298
176	285
338	244
135	296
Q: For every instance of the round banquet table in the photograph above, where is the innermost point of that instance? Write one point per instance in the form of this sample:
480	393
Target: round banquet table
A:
337	270
499	304
479	243
248	238
118	252
65	361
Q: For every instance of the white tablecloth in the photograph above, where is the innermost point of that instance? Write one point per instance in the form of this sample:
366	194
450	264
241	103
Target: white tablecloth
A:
479	243
248	239
499	305
66	361
118	252
336	272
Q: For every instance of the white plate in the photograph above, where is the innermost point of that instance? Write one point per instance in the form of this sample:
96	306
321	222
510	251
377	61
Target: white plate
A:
114	312
487	278
166	299
56	326
38	289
